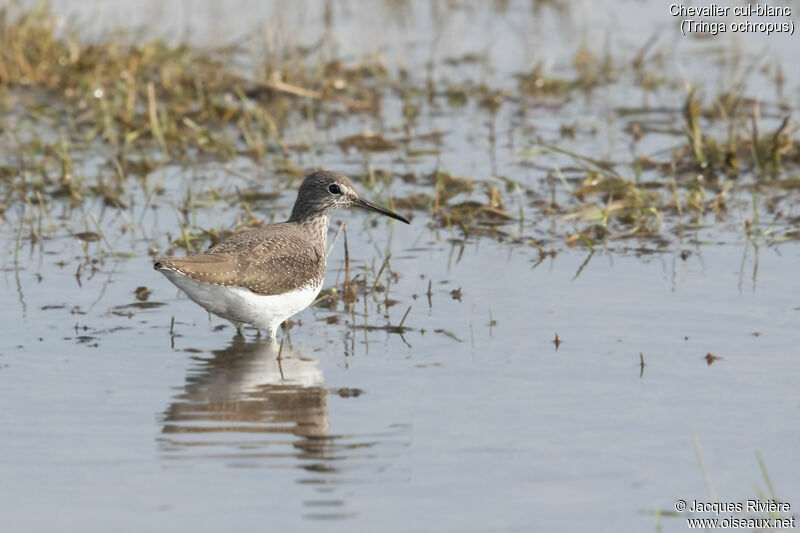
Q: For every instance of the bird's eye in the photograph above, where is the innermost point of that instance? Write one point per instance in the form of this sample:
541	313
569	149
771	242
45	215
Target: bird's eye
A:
334	189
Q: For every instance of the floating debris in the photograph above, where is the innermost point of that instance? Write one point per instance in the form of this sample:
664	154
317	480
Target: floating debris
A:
87	236
347	392
368	141
142	293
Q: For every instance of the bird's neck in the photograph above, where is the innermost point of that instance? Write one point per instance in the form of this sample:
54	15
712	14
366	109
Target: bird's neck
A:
317	228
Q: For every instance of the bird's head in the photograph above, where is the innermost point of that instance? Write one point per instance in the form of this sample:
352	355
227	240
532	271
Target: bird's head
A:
323	191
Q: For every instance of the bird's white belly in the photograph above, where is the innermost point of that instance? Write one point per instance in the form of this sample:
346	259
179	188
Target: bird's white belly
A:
243	305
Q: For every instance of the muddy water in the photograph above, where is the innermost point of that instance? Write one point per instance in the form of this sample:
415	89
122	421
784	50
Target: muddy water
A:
470	418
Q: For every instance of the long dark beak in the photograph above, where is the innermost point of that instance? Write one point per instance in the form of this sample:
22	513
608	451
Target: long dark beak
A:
367	205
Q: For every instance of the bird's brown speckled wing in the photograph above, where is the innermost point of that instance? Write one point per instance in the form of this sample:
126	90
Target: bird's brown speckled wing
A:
275	236
265	261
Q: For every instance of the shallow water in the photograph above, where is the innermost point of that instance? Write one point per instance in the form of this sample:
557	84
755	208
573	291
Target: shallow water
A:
468	418
498	430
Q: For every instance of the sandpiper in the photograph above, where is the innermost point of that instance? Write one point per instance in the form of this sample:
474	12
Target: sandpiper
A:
264	276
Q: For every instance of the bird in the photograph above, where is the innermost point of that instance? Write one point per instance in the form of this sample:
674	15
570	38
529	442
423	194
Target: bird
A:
264	276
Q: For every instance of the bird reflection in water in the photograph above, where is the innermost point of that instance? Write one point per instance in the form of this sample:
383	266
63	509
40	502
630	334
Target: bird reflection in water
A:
243	403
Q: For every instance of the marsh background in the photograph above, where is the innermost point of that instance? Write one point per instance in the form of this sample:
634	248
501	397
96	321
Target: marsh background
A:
592	314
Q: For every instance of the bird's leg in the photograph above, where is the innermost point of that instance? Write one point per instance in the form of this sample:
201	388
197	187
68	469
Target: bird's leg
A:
239	329
259	332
